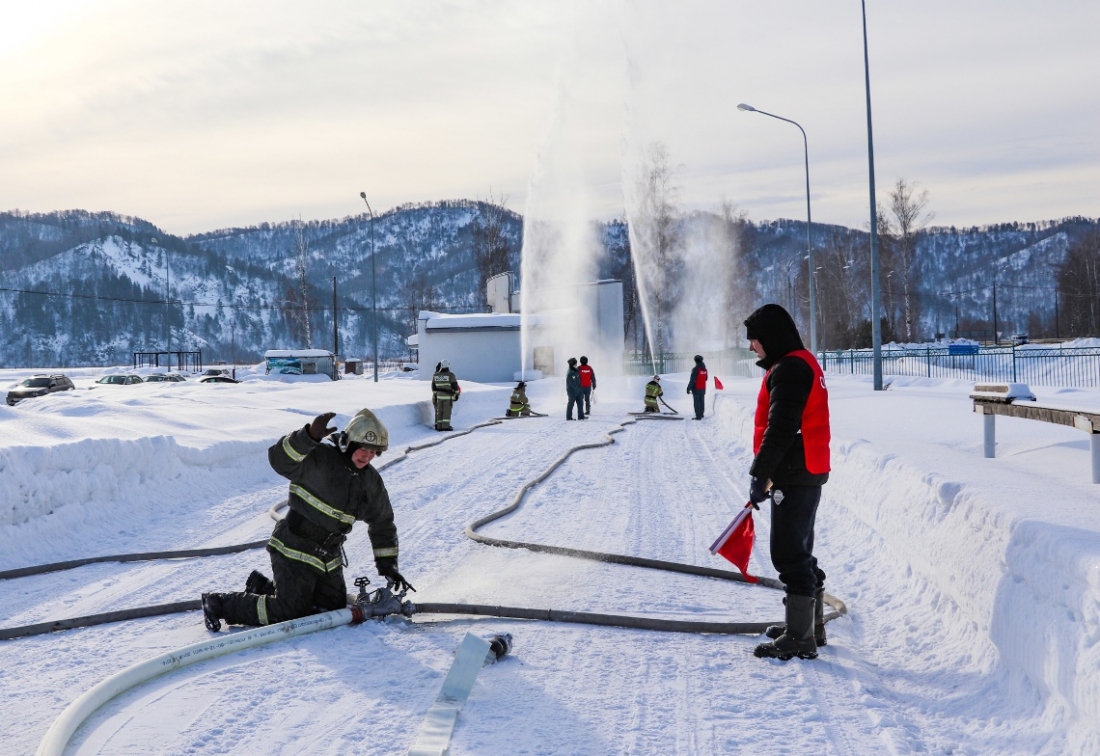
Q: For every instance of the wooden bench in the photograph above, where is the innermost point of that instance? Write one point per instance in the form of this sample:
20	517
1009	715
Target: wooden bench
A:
995	399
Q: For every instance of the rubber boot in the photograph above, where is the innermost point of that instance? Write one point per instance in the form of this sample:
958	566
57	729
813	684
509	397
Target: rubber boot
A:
798	640
258	584
774	631
212	611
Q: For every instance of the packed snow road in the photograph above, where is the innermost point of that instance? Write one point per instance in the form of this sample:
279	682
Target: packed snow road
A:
909	671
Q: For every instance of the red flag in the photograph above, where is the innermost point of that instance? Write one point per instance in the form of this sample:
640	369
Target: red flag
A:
718	384
735	543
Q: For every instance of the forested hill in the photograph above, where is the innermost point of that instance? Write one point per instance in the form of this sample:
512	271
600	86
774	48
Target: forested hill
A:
83	288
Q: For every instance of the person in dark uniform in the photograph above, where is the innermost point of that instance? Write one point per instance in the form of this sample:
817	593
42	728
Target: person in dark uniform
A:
573	391
697	386
332	485
445	392
791	443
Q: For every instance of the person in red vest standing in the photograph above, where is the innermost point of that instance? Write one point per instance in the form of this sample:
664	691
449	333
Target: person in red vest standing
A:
697	386
588	385
791	444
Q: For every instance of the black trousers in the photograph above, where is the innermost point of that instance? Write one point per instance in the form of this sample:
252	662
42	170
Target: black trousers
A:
300	590
792	542
700	397
578	400
586	392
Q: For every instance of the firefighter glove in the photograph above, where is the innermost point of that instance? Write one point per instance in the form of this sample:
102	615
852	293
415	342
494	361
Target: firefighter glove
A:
387	568
758	491
319	428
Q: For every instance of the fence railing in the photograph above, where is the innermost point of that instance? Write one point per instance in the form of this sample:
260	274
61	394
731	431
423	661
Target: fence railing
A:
1040	366
734	362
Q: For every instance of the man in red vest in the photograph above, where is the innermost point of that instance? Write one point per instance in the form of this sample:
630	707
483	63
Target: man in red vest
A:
791	443
697	386
588	385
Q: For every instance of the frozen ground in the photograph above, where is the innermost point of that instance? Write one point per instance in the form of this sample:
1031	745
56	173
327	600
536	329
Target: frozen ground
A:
972	584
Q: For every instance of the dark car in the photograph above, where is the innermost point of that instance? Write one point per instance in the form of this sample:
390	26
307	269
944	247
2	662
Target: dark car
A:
39	385
217	379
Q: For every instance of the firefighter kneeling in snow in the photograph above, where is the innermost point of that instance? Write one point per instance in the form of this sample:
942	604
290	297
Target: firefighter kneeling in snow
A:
652	392
518	406
331	486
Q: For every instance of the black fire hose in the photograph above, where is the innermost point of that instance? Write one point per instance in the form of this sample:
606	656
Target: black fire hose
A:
551	615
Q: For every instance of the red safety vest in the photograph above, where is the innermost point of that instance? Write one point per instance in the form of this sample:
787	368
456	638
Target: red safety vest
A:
701	379
815	417
586	375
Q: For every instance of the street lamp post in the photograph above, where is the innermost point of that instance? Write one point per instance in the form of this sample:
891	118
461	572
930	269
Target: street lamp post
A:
876	297
809	248
373	289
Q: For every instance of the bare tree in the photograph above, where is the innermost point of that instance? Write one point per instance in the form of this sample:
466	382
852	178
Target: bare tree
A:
297	300
909	218
1079	286
491	246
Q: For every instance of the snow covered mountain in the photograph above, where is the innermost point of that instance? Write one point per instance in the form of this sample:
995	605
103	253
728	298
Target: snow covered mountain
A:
82	288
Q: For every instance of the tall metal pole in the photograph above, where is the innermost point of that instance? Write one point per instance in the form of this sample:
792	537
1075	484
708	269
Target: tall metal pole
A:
876	296
373	288
809	222
335	331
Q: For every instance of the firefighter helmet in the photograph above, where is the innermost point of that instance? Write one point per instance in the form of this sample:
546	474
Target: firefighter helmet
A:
657	378
366	430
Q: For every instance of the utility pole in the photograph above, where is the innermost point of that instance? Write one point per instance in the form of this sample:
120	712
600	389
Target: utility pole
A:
335	332
373	288
876	297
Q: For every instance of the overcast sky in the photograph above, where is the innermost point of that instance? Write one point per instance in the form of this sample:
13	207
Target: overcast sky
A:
204	115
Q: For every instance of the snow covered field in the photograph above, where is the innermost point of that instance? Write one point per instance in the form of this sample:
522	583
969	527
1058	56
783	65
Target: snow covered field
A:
972	584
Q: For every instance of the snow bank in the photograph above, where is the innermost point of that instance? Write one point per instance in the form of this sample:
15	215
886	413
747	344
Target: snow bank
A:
1019	595
82	460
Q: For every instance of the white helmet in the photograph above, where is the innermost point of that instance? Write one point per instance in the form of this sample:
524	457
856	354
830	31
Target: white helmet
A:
365	429
444	364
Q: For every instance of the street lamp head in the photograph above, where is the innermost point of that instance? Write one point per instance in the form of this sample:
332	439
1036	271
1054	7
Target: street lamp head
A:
363	195
743	106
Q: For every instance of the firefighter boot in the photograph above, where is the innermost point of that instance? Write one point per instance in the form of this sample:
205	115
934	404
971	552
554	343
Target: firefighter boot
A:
774	631
798	640
212	612
258	584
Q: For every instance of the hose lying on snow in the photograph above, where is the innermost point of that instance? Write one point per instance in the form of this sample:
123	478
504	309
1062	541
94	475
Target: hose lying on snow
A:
749	628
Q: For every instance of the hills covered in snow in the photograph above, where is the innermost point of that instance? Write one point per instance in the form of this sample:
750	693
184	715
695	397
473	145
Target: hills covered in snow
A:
91	288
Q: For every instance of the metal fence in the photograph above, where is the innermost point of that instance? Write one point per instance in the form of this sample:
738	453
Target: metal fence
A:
1041	366
734	362
1031	364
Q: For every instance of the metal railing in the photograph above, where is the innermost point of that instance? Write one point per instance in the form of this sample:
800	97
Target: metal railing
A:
1041	366
733	362
1031	364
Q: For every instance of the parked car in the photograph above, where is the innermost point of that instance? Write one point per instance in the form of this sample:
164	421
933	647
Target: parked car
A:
217	379
119	380
216	371
1019	339
164	378
39	385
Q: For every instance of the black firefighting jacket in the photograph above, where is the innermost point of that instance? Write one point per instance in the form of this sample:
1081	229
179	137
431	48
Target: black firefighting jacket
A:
327	495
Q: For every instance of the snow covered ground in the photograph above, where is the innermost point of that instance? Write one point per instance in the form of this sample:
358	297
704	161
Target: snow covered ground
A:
972	584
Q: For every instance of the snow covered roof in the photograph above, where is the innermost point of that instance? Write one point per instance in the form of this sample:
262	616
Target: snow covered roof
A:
475	321
297	353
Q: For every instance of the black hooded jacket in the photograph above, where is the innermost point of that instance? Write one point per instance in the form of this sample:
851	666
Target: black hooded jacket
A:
782	455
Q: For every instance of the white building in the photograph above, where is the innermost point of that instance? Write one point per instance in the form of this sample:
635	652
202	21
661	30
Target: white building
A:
487	347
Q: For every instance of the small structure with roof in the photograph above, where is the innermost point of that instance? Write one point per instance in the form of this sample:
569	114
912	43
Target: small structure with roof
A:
301	362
